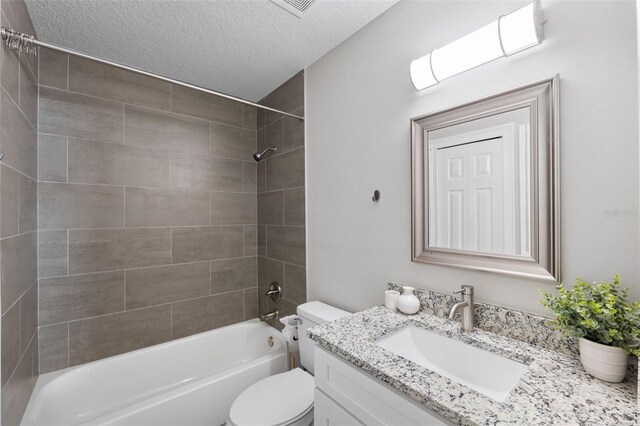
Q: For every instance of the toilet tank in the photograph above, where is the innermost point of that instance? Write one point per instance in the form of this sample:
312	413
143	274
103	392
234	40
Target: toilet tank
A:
311	314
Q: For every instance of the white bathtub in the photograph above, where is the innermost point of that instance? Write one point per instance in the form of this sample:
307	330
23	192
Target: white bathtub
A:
190	381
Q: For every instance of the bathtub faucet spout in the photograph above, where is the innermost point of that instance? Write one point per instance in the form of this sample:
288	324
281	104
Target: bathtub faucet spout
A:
269	316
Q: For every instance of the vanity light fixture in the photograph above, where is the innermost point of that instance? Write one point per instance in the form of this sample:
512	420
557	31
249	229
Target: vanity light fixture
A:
512	33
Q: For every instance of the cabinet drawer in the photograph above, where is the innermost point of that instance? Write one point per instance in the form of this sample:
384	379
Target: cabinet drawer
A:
327	412
369	400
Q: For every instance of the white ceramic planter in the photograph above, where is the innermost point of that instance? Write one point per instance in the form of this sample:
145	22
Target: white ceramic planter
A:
408	303
604	362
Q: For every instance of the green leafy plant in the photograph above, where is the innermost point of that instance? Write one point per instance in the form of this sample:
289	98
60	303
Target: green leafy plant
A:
599	312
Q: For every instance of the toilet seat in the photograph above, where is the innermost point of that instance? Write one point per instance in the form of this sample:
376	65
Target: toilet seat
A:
281	399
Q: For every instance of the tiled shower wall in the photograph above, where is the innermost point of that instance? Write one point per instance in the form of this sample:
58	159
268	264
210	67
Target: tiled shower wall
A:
147	211
281	198
18	240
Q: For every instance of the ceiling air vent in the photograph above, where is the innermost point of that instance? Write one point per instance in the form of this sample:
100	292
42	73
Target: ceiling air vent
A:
296	7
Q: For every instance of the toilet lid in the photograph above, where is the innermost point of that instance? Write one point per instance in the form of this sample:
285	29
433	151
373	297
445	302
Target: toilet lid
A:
276	400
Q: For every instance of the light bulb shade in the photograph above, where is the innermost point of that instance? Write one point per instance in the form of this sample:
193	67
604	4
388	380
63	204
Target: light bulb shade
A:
521	29
477	48
421	74
510	34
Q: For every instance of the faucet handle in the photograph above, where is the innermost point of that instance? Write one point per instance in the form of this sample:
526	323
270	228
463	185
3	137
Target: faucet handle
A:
464	290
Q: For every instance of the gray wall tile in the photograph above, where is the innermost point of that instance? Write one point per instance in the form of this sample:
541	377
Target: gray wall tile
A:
92	78
294	210
19	139
286	243
288	97
19	266
251	303
163	130
113	334
293	131
16	394
113	164
165	207
18	201
28	316
28	204
228	208
54	347
271	136
71	114
261	177
18	16
285	170
205	106
250	240
10	342
271	208
249	177
201	172
53	68
9	68
52	253
261	114
192	244
232	142
163	284
295	283
80	296
95	250
10	205
269	270
52	158
233	274
249	117
262	240
63	205
29	95
206	313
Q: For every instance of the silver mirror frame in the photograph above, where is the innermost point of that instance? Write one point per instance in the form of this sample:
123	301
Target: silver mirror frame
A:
542	98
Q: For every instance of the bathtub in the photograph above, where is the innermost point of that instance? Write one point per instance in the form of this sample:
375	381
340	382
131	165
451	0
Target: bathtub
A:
189	381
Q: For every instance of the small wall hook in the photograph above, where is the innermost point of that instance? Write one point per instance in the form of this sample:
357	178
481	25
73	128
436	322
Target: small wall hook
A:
376	196
1	155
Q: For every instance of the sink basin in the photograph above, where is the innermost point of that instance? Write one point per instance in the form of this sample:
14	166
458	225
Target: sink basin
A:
490	374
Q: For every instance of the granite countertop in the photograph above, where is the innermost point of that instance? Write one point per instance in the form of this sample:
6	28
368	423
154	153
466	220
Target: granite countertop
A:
555	390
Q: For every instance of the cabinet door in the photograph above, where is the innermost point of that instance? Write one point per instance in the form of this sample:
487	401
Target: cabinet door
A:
327	412
371	401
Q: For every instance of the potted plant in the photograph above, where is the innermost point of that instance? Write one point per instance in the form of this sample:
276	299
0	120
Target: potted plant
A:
605	322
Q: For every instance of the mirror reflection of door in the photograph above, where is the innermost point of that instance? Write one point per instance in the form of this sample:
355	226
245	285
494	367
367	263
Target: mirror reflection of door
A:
479	185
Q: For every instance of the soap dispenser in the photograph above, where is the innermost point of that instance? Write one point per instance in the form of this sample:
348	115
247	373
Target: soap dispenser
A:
408	303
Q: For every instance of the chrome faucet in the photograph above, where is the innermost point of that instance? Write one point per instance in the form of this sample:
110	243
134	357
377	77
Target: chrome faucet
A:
466	294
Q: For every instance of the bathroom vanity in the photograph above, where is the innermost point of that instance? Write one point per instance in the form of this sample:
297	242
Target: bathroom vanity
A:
380	367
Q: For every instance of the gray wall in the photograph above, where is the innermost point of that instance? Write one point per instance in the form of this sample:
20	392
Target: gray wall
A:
281	198
360	100
18	240
147	212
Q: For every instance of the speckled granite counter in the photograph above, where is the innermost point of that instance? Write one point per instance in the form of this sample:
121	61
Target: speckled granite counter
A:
555	391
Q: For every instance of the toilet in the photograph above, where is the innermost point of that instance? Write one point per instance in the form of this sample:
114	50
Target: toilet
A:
285	398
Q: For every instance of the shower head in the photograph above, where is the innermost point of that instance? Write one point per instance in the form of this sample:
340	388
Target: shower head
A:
258	155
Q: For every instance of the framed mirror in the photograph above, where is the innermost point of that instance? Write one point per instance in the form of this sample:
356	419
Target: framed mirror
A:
485	184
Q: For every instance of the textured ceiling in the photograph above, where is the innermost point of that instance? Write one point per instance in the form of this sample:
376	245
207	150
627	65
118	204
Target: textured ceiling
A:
244	48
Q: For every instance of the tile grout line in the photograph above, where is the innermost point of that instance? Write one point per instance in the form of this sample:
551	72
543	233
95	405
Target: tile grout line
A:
20	111
68	343
170	112
147	148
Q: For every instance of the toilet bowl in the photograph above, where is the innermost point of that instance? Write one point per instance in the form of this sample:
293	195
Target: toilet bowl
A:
285	398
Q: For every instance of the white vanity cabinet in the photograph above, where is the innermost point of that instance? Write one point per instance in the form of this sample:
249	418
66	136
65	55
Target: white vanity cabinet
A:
345	395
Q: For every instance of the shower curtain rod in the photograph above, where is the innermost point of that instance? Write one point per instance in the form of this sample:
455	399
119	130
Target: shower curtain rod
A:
20	41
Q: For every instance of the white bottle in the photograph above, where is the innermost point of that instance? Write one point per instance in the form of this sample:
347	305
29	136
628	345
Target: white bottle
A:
408	303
